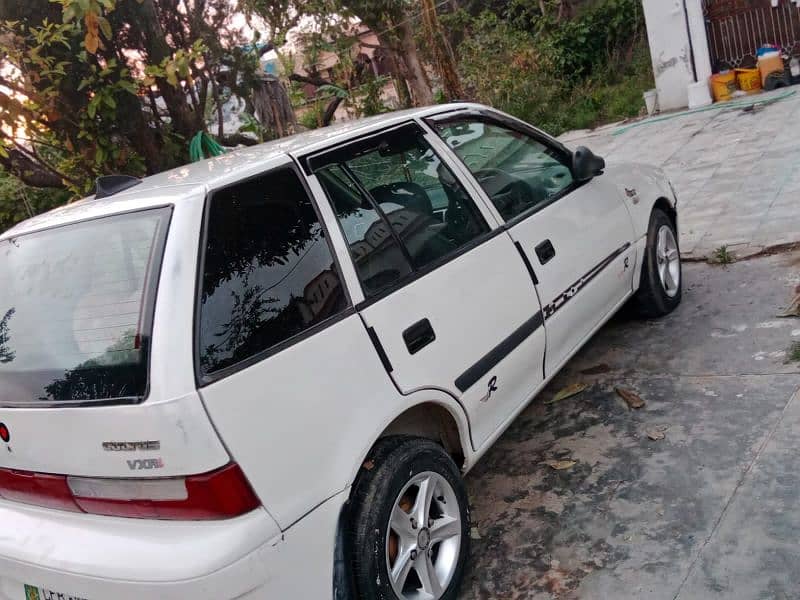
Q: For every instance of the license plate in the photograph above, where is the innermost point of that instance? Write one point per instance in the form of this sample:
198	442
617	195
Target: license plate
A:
37	593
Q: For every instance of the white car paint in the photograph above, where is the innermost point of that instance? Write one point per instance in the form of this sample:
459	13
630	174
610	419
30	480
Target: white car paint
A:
587	228
301	421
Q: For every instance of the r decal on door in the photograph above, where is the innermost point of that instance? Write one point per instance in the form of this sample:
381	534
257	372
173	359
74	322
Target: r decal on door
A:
492	388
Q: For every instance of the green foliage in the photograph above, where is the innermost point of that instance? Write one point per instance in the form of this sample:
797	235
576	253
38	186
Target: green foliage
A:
367	97
311	118
722	256
177	67
568	75
19	201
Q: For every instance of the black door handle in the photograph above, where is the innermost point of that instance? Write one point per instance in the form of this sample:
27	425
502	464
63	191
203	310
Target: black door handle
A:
545	251
419	335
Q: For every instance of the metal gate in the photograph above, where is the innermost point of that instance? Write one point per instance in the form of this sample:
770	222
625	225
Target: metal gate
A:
738	28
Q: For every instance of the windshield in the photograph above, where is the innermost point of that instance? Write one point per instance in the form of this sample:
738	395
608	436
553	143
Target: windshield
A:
75	309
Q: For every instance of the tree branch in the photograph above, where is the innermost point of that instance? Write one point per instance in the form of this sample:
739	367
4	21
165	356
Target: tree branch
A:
29	172
312	79
330	110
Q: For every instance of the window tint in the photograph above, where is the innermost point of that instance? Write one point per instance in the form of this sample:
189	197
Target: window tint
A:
268	271
398	191
516	171
75	309
377	255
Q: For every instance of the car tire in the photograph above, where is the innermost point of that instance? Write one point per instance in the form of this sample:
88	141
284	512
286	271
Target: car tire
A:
661	284
393	551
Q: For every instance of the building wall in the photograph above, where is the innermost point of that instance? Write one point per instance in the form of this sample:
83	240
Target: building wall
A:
670	51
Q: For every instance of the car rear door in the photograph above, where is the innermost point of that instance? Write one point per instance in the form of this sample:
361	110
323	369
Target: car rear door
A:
447	297
577	235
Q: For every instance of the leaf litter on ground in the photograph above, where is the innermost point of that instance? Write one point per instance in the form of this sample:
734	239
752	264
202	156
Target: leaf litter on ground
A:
568	392
632	399
560	465
657	432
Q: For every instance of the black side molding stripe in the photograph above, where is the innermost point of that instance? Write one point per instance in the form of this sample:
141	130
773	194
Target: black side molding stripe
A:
472	375
528	265
576	287
379	349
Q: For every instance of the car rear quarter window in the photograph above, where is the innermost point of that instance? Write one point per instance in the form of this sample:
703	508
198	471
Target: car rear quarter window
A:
76	305
268	271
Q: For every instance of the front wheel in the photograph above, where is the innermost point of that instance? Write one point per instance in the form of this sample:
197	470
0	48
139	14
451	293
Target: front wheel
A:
660	288
410	522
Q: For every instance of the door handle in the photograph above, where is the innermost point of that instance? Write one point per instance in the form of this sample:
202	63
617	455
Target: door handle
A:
545	251
419	335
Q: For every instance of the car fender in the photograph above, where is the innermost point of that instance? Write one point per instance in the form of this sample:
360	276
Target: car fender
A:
409	401
641	187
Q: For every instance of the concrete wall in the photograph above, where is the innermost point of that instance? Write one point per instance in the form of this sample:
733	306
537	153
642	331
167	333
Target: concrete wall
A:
670	52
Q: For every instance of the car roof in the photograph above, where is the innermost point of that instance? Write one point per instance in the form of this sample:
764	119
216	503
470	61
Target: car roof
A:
195	179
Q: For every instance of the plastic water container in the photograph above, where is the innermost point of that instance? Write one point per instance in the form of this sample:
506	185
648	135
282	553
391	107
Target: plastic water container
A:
723	85
769	62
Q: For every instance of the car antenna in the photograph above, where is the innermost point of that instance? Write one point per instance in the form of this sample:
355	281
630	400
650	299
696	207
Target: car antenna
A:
108	185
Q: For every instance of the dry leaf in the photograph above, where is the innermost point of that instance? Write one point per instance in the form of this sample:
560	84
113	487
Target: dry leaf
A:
474	533
596	369
631	398
560	465
657	433
567	392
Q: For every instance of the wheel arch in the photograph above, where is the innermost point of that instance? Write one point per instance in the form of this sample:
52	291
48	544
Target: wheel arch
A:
431	414
665	205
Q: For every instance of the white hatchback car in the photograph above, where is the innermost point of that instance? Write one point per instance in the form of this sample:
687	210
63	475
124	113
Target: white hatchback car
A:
263	375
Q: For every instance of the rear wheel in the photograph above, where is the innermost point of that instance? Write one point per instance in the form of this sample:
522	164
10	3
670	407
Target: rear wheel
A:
660	288
410	522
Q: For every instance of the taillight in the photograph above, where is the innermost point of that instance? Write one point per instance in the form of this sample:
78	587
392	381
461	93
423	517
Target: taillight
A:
220	494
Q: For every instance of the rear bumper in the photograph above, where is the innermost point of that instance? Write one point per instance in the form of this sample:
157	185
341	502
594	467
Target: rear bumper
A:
96	558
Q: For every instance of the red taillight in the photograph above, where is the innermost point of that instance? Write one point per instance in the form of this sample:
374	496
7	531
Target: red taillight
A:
50	491
220	494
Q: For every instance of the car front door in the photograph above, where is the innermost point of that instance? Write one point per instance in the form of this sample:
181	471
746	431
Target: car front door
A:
577	235
446	295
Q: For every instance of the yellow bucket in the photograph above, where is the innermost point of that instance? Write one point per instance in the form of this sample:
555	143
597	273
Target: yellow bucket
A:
749	80
723	85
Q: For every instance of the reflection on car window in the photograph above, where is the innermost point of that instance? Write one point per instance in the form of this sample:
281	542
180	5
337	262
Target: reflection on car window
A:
517	172
268	273
74	308
400	207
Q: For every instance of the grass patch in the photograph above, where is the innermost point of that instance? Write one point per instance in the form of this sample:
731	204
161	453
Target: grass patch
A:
722	256
793	353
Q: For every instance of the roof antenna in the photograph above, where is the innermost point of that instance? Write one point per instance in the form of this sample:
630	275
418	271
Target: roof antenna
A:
108	185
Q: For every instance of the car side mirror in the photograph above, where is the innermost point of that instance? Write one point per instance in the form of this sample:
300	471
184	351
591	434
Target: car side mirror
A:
586	165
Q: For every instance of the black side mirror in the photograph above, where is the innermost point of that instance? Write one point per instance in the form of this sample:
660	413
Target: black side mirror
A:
586	165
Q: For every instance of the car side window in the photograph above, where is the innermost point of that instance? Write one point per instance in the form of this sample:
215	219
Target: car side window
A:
268	272
399	205
518	172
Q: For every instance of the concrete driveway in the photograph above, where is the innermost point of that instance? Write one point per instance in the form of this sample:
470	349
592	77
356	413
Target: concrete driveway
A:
710	511
737	172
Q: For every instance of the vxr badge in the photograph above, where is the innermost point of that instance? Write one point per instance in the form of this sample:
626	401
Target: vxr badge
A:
491	390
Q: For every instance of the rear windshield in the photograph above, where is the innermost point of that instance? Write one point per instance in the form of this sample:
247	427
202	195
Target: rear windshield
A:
75	309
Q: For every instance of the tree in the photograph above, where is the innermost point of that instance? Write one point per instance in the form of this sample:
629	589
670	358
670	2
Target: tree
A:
394	26
19	201
441	51
90	87
390	20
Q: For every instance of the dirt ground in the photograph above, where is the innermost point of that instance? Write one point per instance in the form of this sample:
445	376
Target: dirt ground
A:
710	510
